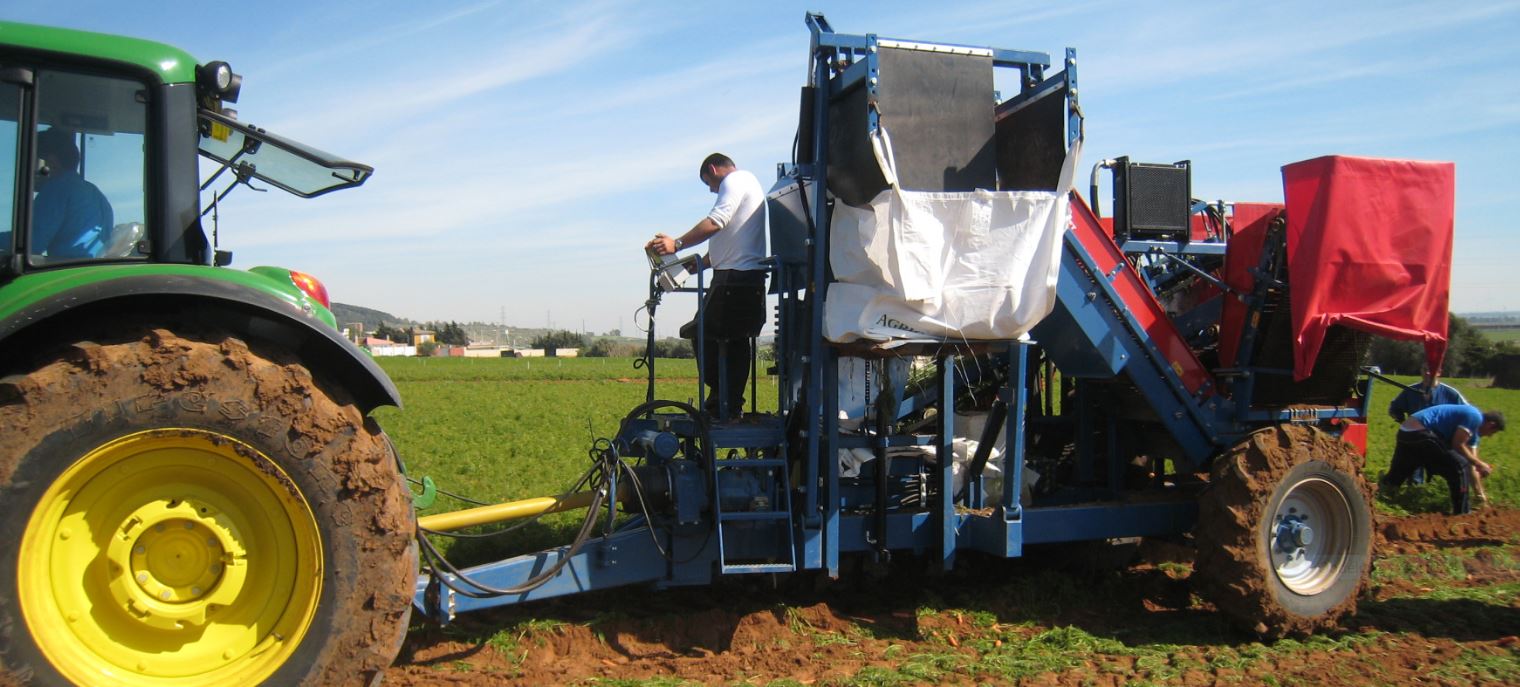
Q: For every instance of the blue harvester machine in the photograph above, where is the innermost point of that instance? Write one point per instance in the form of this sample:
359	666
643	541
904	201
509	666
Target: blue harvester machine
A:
1155	399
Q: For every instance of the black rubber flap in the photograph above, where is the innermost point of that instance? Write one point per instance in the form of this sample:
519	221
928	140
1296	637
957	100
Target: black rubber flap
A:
1031	143
938	108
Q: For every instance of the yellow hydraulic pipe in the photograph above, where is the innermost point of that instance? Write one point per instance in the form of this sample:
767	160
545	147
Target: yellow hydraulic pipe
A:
501	512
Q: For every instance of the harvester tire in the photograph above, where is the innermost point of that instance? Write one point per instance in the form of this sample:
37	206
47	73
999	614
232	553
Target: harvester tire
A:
181	509
1284	532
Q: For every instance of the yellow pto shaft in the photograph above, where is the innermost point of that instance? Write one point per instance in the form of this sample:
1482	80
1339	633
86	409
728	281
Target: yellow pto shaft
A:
501	512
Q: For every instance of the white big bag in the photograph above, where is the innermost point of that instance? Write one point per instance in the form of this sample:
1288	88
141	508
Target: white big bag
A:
922	265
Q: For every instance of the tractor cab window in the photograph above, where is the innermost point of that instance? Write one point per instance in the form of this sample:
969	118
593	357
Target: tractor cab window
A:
10	147
252	153
89	188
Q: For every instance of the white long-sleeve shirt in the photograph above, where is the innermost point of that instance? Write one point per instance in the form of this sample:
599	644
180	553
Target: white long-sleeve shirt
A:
739	213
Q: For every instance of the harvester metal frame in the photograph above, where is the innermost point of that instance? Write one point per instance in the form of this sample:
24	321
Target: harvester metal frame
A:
765	494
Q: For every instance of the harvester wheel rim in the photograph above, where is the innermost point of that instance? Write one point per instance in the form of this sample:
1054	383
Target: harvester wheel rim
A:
170	556
1310	540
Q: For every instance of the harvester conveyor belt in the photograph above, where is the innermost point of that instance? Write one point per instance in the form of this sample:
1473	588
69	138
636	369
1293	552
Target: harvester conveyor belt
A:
1106	321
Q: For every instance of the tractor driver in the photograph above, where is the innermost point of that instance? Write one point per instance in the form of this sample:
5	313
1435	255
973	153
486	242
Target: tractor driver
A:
735	303
1443	439
71	218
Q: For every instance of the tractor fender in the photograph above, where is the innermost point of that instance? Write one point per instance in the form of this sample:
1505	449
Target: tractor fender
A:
242	303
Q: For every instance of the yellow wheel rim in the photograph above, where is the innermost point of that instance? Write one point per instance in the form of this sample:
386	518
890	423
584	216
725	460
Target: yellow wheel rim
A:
170	557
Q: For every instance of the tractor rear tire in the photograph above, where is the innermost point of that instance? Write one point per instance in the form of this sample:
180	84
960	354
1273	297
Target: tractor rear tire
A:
180	509
1284	532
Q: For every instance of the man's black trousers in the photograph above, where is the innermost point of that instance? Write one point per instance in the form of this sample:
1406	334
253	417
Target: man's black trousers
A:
1426	449
734	315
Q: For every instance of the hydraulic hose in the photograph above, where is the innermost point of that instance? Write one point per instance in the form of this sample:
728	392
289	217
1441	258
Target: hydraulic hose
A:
607	462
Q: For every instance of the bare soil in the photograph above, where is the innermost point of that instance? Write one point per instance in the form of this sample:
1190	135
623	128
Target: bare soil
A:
1143	622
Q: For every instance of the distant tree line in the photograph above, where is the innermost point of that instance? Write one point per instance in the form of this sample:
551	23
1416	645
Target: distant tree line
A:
559	338
390	333
672	348
609	347
1468	353
449	333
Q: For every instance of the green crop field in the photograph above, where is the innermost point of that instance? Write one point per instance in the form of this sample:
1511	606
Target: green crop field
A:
503	429
1497	335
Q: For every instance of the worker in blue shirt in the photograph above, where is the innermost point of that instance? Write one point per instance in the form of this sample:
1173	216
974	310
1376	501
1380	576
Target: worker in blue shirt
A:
1429	392
1443	439
71	218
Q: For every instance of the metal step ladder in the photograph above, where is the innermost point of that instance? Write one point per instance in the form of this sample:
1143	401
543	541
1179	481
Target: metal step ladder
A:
772	522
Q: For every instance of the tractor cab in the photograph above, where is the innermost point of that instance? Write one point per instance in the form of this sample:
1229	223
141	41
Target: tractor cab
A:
100	152
86	154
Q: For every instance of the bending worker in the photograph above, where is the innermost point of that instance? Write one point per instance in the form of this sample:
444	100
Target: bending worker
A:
1429	392
735	304
1444	440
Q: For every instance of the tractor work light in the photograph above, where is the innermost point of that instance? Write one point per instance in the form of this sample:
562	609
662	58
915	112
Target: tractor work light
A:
218	78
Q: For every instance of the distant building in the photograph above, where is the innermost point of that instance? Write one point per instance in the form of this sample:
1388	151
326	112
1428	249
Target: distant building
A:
355	332
485	351
422	336
382	348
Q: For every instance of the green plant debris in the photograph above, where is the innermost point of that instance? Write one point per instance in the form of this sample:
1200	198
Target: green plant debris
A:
1473	666
663	681
1495	595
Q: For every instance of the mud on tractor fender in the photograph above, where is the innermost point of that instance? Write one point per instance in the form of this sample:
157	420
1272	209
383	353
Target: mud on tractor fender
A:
206	298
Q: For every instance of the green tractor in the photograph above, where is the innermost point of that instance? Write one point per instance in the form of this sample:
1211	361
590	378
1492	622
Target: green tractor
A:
193	490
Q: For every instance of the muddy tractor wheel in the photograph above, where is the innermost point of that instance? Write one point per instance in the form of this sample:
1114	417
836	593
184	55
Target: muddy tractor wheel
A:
185	511
1284	532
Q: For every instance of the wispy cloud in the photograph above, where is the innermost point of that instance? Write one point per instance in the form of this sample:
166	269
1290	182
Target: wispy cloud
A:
1197	41
1312	79
952	22
692	83
468	197
397	98
362	44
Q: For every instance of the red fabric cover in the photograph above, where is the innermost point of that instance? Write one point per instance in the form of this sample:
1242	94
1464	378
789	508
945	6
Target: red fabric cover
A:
1242	253
1369	247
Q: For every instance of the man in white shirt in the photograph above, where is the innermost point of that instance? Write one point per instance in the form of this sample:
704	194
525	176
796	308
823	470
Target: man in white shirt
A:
735	306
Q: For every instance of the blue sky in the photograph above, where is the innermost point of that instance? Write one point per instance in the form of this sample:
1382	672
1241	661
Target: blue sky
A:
525	151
